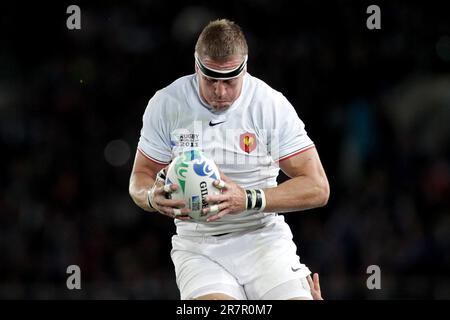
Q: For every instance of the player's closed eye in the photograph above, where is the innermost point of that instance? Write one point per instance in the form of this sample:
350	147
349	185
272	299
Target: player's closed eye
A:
230	82
227	82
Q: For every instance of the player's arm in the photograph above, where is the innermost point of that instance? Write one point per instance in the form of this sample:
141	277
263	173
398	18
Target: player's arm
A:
143	176
142	180
308	187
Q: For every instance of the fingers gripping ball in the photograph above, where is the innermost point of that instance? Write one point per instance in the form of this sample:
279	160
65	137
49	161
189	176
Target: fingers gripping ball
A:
195	174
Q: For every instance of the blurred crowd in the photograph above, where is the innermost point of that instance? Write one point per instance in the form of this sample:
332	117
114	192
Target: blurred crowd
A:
375	102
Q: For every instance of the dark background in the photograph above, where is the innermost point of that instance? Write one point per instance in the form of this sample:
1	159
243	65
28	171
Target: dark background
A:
375	102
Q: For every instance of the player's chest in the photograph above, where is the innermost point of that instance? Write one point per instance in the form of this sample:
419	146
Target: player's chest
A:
231	136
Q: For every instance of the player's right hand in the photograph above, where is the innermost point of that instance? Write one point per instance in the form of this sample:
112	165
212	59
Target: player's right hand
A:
159	200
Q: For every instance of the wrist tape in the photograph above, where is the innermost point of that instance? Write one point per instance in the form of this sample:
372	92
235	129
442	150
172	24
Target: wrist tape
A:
256	199
160	177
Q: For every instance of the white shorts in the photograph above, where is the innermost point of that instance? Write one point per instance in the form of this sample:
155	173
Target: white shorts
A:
254	265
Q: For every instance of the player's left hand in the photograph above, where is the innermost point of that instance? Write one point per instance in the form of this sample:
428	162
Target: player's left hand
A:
230	201
314	284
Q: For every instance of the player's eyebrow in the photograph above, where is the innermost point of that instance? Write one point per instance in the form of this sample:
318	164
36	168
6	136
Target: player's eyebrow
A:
229	81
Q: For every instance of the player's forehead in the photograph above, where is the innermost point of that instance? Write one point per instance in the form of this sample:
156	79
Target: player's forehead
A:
229	63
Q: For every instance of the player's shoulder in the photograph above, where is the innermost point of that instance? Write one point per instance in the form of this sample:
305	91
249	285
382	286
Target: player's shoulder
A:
179	88
264	92
173	94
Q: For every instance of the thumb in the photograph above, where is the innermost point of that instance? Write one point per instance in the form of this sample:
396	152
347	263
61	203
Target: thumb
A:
219	184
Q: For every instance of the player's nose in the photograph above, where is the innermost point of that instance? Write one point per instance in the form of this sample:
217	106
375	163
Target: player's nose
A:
220	89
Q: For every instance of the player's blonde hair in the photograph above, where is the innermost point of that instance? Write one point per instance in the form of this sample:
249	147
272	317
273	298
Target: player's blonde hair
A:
221	39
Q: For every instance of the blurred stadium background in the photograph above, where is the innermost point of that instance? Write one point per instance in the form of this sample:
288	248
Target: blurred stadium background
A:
376	103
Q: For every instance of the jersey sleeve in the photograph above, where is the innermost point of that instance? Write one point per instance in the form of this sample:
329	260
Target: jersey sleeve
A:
154	142
289	136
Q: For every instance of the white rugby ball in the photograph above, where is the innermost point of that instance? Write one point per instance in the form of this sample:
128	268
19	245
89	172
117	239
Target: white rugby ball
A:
195	174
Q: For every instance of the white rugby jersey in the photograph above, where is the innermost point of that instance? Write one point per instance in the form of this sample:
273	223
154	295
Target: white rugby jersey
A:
246	141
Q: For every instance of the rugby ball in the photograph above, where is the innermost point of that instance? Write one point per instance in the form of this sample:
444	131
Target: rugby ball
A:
195	174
